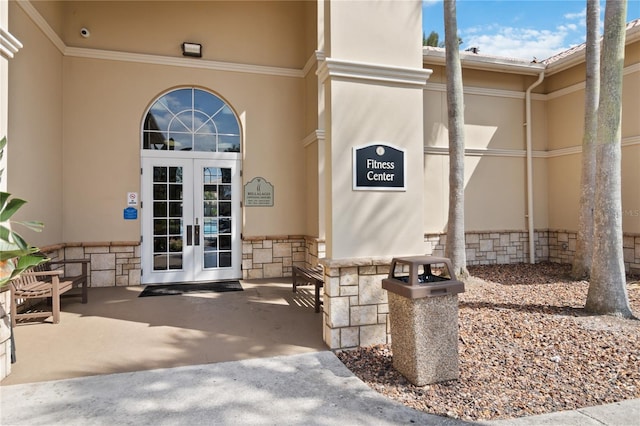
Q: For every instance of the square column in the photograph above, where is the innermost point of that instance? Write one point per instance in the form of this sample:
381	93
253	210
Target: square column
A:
373	83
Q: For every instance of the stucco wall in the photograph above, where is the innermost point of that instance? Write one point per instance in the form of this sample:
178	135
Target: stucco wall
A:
35	129
566	122
92	150
366	223
75	121
495	165
102	142
311	204
356	32
270	33
630	190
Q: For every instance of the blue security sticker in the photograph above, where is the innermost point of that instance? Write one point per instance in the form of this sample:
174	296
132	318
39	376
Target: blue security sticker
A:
130	213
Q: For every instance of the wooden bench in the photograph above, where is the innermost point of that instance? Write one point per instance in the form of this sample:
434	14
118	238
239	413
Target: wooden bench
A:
79	279
38	285
309	276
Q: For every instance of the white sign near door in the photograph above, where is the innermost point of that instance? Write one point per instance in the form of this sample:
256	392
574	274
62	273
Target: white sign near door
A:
132	198
258	193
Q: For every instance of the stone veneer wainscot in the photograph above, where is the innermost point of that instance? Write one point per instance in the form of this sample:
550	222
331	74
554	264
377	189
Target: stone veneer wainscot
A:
355	305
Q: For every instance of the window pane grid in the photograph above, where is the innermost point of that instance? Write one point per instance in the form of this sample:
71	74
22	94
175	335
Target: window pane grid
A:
217	220
191	120
167	218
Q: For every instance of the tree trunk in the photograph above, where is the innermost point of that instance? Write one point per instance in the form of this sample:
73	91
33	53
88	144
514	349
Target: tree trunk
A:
455	246
607	289
584	243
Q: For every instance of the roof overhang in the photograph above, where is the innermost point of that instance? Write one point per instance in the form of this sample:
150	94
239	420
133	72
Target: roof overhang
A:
577	56
469	60
553	65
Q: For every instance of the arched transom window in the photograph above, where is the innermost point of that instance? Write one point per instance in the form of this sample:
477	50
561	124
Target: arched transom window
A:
191	119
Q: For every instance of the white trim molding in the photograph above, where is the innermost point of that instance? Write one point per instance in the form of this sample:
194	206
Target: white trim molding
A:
482	152
109	55
314	136
580	86
480	91
374	73
9	45
318	56
180	62
41	23
490	152
484	91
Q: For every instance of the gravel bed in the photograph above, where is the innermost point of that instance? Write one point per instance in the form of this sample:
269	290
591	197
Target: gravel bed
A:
526	347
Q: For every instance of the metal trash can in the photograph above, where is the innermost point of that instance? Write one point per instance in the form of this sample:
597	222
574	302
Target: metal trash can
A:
423	310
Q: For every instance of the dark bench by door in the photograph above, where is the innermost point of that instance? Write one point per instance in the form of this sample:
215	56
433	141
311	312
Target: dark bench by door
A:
309	276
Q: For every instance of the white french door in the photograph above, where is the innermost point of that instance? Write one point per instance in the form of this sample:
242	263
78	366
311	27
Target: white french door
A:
190	220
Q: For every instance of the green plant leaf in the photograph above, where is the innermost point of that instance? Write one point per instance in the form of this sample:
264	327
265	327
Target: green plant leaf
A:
4	196
12	206
19	241
12	254
30	260
15	253
5	234
34	225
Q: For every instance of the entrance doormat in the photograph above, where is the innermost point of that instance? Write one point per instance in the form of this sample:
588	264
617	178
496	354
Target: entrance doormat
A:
177	289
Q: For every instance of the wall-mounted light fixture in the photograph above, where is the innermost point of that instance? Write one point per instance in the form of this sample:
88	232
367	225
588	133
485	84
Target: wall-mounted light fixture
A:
192	49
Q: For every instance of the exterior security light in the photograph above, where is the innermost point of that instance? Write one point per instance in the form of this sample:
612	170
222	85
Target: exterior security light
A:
192	49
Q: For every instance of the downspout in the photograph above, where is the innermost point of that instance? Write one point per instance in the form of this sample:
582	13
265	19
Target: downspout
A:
532	253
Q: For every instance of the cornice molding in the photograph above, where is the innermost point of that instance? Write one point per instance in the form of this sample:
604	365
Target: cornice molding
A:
180	62
314	59
483	91
332	68
315	136
580	86
110	55
41	23
489	152
9	45
478	152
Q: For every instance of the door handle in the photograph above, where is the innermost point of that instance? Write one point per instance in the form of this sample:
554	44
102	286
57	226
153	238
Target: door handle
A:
189	235
196	235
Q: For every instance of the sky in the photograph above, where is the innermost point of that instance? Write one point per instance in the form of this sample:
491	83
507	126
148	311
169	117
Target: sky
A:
522	29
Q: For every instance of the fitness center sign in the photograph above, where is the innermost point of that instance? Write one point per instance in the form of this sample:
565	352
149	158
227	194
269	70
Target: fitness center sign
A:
378	167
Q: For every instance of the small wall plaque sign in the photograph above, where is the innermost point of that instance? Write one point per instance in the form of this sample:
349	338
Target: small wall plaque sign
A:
378	167
258	193
132	198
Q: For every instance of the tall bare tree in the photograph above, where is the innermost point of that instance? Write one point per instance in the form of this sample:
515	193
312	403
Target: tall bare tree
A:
607	289
432	40
584	242
455	247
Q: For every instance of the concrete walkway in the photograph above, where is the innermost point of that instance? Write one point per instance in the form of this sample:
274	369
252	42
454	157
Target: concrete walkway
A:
314	388
304	389
254	357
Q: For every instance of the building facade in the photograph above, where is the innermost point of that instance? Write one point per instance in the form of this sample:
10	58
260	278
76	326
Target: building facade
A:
246	159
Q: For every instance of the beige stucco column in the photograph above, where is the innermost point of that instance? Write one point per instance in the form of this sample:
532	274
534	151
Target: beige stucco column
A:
373	81
9	45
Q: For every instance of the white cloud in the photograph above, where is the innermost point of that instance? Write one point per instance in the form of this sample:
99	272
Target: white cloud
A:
578	16
526	43
429	3
520	43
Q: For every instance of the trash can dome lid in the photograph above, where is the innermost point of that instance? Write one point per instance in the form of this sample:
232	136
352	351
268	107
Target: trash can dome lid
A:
422	259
